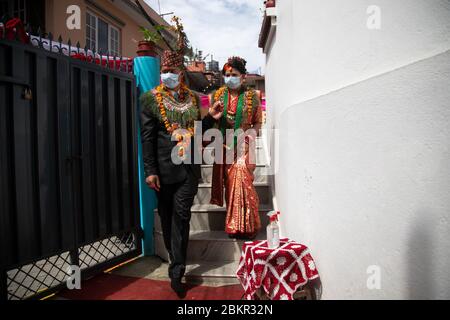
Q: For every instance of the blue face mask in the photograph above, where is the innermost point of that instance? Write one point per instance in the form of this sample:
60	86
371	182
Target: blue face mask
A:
170	80
233	82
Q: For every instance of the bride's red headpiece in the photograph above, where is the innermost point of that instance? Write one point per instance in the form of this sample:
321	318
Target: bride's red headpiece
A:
237	63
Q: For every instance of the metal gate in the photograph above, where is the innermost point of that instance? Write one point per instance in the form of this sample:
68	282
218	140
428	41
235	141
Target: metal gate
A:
68	167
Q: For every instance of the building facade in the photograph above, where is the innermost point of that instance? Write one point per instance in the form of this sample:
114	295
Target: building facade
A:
257	82
108	25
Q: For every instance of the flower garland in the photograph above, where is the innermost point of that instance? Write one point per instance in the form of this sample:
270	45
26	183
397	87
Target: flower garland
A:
249	99
160	90
250	95
219	93
183	139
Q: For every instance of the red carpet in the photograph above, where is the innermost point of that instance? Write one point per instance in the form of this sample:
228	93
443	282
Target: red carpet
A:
113	287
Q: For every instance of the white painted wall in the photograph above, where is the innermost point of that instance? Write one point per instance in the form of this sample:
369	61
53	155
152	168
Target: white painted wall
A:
364	156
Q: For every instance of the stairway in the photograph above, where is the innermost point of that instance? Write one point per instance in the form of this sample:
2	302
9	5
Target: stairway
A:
211	253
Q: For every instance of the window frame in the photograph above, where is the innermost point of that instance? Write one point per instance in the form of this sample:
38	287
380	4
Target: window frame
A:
9	7
20	10
90	27
110	40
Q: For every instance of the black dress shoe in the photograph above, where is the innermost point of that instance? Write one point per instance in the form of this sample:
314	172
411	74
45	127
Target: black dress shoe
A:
178	287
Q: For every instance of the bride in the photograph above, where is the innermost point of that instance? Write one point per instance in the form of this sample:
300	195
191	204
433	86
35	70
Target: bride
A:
241	109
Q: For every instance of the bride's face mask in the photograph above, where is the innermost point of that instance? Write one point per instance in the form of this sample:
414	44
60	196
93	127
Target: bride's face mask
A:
233	79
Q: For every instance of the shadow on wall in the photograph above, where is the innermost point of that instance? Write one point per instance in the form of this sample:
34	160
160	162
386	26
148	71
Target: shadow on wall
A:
420	259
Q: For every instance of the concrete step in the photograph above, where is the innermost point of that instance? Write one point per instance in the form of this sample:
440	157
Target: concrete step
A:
225	271
211	253
260	173
263	189
211	246
211	218
212	274
199	272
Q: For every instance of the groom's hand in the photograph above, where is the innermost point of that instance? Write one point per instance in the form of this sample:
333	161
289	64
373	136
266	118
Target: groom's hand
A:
153	183
216	111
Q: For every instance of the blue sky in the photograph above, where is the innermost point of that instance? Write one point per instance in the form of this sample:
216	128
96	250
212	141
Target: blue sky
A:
220	27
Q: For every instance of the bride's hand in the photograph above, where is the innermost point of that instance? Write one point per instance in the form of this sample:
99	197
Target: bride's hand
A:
216	111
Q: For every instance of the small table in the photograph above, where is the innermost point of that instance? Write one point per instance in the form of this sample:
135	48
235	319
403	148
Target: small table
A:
279	272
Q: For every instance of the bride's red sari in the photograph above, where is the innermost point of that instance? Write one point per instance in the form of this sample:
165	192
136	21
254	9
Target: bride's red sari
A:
242	201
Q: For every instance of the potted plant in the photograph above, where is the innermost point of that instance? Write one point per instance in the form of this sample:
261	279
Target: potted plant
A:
147	46
270	3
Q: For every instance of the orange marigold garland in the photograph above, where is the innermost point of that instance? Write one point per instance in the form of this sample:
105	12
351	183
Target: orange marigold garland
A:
219	93
160	90
250	95
249	100
183	139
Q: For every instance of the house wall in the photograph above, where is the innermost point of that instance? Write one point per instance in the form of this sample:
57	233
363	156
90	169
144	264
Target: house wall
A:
363	117
56	20
57	16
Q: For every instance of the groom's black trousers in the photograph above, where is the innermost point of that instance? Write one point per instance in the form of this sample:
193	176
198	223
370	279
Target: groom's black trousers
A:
174	208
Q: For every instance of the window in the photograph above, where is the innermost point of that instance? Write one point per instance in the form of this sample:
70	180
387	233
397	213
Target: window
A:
31	12
19	10
14	8
4	6
102	36
91	31
114	41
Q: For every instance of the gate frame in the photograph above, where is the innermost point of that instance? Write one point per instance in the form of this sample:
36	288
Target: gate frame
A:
135	230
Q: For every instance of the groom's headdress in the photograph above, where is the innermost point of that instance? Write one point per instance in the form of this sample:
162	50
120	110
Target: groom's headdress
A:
175	59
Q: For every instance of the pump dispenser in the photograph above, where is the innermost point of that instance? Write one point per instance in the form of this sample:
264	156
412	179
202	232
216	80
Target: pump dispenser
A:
273	230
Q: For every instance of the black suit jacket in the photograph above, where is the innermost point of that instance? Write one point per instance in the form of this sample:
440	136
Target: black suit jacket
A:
157	146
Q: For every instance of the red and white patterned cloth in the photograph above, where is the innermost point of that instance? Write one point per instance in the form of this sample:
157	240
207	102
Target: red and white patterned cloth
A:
280	272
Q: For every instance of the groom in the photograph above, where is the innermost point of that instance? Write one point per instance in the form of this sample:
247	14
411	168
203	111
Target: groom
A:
165	110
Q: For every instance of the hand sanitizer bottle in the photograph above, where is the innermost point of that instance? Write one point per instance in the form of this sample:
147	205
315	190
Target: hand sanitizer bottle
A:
273	230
